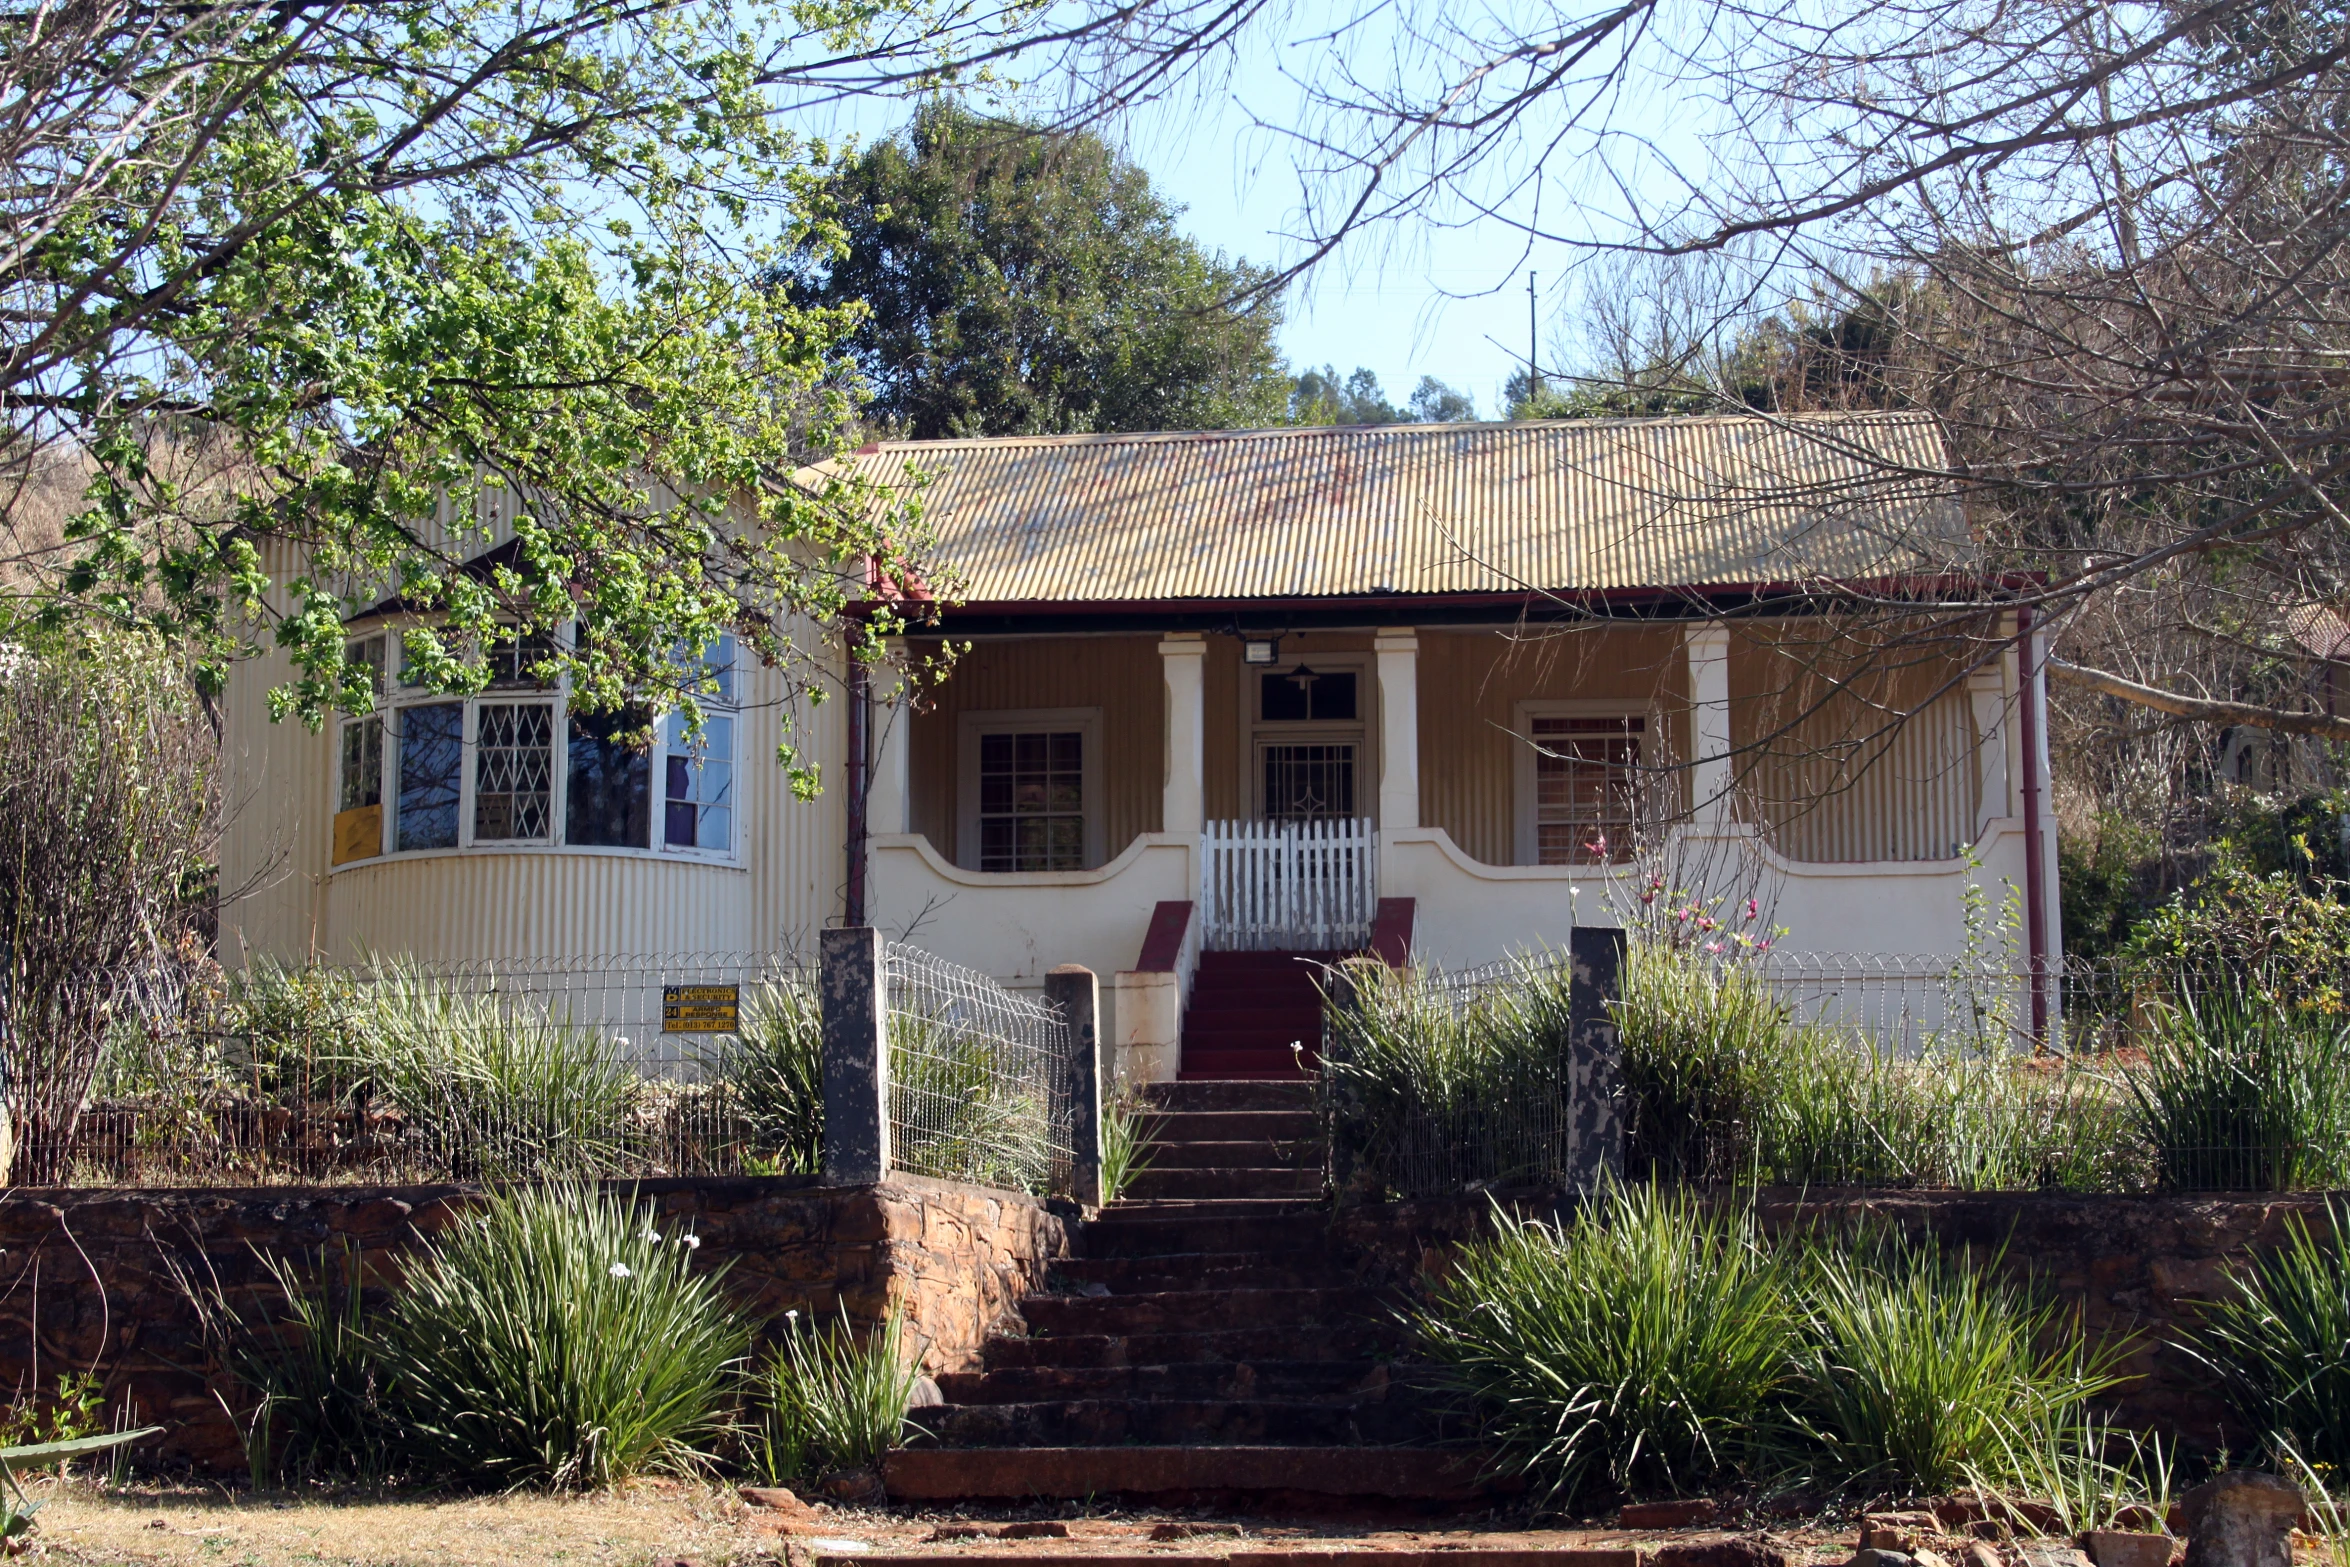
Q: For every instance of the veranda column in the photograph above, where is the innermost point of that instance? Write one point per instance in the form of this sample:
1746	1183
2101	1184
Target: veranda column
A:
889	795
1399	729
1183	800
1708	649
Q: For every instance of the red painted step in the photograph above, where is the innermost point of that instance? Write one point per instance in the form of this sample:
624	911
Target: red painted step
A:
1248	1009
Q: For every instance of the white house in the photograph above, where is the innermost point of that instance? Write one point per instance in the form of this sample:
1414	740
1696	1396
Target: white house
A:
1436	688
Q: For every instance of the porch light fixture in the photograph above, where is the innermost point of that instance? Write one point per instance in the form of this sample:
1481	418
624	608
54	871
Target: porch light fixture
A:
1303	677
1260	650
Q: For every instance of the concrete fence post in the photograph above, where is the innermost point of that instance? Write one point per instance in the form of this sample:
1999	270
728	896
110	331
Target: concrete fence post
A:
855	999
1074	991
1595	1065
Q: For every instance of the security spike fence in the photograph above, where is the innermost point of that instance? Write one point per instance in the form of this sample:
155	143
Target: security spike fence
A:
631	1066
978	1076
1821	1069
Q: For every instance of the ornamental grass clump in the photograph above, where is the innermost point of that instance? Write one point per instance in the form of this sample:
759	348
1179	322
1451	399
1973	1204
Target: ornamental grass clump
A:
2279	1344
1642	1346
555	1336
1917	1373
772	1074
1704	1044
830	1402
2245	1089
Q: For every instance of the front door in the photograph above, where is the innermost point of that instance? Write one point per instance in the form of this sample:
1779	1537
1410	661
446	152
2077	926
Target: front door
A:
1306	743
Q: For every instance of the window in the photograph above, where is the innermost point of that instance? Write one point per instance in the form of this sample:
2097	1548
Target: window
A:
1032	800
1586	777
1305	695
697	810
610	782
1308	783
514	771
432	774
514	768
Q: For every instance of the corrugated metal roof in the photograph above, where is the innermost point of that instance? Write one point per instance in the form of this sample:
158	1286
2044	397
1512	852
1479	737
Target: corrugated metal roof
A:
1415	509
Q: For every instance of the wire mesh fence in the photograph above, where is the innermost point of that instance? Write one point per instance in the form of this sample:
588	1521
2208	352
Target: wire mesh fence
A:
1439	1081
1855	1070
978	1077
403	1070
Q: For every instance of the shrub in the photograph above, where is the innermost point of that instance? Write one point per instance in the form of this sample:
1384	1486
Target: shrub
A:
2245	1091
1641	1345
1918	1373
493	1088
773	1076
831	1403
1434	1090
553	1336
2279	1344
1126	1151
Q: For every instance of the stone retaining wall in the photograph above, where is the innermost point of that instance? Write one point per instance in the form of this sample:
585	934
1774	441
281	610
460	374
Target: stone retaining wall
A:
102	1279
2134	1269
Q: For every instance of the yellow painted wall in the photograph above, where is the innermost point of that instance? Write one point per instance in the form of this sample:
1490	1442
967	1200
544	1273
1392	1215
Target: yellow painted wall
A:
1121	675
1855	756
1470	685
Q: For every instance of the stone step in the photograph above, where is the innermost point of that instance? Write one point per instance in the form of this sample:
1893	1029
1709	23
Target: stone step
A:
1193	1474
1270	1181
1197	1271
1272	1154
1194	1311
1209	1094
1365	1339
1162	1229
1294	1381
1229	1126
1155	1422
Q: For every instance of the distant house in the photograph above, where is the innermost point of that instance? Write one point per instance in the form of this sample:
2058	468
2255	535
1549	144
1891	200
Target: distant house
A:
1443	689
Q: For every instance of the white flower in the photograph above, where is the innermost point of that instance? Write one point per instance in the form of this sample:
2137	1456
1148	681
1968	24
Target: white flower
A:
621	1270
690	1242
652	1236
792	1315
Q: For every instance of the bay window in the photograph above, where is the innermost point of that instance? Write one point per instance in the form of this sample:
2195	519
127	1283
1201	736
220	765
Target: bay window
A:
515	768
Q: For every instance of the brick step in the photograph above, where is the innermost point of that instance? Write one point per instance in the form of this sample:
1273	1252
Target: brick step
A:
1229	1126
1293	1381
1365	1339
1191	1473
1227	1096
1111	1422
1197	1271
1192	1311
1227	1000
1282	1154
1265	1181
1163	1229
1202	1051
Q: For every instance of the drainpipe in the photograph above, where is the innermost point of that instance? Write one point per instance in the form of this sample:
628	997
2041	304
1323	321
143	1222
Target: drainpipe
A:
2035	877
859	772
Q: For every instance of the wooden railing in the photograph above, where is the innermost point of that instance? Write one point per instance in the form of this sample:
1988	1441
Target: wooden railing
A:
1289	886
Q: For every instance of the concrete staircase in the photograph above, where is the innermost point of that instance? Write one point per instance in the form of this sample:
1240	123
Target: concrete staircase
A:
1209	1344
1247	1009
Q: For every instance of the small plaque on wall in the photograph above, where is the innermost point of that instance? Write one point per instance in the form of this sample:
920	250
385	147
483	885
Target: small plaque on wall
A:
700	1009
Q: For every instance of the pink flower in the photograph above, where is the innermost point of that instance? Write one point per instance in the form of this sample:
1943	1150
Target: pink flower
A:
1713	946
1648	896
1752	908
1706	923
1763	945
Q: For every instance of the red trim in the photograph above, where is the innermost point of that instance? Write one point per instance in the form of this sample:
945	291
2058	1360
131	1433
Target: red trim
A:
1162	945
1392	601
1391	931
2035	876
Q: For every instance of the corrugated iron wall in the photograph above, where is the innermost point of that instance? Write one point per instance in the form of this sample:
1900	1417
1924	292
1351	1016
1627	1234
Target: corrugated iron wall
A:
1857	758
1470	685
1121	675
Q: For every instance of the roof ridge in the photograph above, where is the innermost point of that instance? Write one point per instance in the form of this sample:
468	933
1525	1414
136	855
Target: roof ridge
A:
1398	427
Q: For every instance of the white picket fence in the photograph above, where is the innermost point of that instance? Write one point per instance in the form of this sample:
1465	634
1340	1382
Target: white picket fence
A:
1289	886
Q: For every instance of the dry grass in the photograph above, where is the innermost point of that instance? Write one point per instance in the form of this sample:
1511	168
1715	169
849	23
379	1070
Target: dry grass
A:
629	1528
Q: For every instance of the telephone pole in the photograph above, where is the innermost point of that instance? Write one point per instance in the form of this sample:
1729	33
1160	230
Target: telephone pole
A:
1533	341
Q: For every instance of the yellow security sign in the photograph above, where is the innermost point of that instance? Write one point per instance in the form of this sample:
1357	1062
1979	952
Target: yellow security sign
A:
700	1009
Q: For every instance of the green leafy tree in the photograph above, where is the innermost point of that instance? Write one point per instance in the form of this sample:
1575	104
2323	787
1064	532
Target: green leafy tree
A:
1018	280
303	305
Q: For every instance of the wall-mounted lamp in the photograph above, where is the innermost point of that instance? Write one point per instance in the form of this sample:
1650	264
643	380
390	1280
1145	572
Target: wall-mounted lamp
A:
1260	650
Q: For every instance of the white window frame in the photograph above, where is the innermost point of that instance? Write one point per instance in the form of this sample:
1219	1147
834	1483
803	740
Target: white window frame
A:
1523	800
394	697
1087	721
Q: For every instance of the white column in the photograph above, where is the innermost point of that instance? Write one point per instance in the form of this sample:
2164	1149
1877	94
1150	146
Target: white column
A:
1708	648
1183	798
889	795
1399	729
